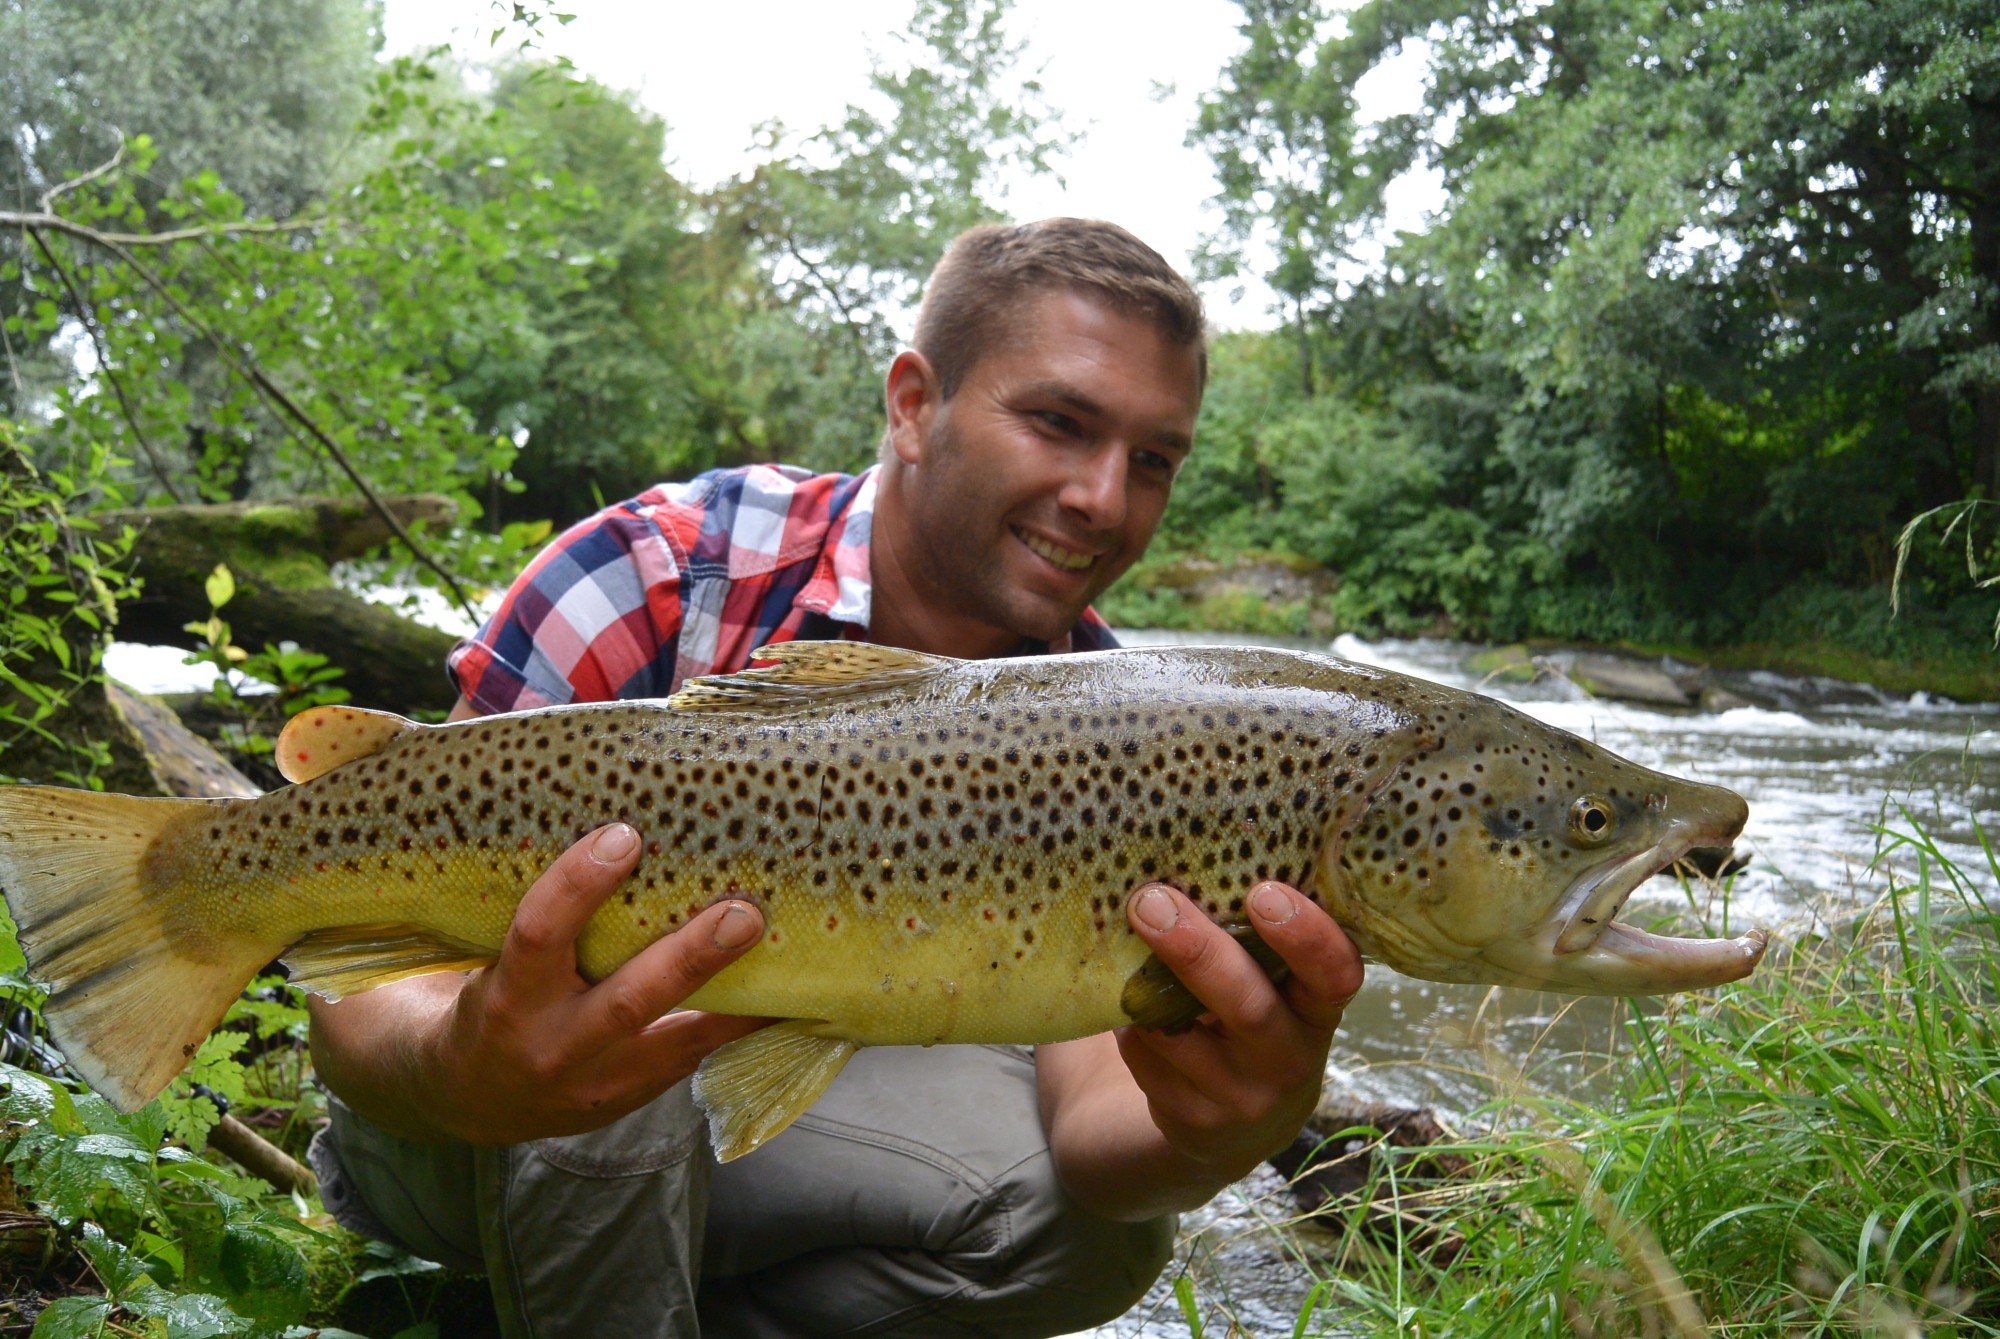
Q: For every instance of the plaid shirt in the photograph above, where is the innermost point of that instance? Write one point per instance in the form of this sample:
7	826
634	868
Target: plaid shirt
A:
687	579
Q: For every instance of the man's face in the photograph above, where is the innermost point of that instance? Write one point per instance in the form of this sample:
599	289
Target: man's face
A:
1044	475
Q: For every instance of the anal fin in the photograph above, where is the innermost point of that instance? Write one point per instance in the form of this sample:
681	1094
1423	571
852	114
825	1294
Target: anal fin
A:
1154	997
348	959
755	1087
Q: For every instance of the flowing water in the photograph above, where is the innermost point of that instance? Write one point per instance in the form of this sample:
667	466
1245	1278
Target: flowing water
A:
1822	763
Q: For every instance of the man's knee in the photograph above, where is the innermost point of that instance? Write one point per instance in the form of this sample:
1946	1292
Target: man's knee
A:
1079	1270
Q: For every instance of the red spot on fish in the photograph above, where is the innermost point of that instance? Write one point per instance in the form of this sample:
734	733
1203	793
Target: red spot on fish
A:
774	936
909	922
989	913
320	865
303	755
833	922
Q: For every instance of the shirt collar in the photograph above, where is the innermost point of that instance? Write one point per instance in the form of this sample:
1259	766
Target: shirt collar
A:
842	589
840	586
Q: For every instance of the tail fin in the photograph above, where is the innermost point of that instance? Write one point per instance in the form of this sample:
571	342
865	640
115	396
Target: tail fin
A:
130	996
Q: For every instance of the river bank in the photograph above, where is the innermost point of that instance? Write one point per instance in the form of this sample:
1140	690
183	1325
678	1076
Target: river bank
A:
1817	632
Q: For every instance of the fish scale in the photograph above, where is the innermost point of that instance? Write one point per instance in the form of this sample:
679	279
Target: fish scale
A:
942	851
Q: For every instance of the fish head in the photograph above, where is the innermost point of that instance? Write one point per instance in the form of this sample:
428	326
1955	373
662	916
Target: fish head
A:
1501	851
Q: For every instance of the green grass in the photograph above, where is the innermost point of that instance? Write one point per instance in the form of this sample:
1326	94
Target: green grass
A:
1815	1151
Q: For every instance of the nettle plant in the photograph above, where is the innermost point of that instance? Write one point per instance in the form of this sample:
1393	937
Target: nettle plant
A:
61	578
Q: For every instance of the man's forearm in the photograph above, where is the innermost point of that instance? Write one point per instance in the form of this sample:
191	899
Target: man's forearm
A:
376	1052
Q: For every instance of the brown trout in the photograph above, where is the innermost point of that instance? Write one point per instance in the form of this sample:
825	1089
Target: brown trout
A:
942	851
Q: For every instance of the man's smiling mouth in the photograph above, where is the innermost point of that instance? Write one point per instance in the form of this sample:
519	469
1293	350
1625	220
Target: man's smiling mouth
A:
1069	560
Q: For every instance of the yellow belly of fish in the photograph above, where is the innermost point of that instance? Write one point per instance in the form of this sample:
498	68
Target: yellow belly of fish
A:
906	972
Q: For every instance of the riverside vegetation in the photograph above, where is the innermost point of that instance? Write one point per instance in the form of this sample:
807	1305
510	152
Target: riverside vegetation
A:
1703	319
1814	1150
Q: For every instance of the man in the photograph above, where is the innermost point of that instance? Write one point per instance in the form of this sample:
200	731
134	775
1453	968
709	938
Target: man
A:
525	1122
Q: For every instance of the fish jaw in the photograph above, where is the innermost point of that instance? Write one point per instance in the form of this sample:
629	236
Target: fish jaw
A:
1580	949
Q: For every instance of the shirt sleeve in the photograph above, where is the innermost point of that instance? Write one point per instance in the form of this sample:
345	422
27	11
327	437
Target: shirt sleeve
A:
594	617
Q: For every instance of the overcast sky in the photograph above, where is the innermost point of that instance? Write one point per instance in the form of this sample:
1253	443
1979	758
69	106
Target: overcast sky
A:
1126	75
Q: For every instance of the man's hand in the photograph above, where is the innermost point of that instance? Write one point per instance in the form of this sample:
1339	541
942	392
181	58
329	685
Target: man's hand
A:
527	1048
1187	1113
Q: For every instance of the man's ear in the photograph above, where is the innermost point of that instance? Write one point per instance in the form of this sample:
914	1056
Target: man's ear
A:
910	395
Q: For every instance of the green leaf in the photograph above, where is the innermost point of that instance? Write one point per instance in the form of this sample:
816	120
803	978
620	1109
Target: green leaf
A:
263	1272
72	1318
121	1271
221	586
194	1315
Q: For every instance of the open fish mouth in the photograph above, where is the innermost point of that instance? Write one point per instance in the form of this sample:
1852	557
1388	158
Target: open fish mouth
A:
1591	952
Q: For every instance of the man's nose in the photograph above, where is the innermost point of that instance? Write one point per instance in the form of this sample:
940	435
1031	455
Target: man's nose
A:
1095	489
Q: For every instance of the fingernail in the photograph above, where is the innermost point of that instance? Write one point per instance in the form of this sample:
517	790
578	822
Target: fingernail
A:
1156	909
614	844
1272	906
736	928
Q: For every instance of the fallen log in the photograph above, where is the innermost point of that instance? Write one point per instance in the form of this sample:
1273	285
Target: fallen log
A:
280	554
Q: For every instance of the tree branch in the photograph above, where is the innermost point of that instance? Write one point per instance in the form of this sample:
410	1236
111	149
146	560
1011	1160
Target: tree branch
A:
87	315
12	218
47	199
248	369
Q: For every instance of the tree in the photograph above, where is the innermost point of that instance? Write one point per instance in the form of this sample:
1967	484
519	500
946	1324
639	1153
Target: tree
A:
263	96
1722	270
846	223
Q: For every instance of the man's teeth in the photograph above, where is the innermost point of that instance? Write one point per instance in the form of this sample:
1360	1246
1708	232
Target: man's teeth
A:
1061	557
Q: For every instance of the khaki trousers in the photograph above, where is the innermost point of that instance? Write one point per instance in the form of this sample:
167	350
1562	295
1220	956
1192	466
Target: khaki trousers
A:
916	1198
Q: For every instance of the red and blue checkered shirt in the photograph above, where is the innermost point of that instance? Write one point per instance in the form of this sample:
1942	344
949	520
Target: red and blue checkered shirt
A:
687	579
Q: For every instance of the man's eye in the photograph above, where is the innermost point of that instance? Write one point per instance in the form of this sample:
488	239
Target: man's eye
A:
1056	422
1156	462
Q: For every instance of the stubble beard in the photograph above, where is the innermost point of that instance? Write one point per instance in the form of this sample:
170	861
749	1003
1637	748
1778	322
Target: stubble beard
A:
964	576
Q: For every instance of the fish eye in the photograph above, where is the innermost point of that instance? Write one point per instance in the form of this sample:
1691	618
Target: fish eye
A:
1592	819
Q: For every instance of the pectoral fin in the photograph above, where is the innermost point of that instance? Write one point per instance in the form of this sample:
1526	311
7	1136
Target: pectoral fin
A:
753	1088
349	959
1154	997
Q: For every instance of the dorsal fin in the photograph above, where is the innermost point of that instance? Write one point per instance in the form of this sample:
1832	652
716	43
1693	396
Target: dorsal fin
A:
806	672
319	739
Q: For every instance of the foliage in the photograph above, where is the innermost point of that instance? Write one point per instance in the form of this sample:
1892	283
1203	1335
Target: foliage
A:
1713	304
846	223
1815	1150
63	578
292	680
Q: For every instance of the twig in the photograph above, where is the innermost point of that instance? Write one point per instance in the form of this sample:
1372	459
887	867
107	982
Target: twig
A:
249	370
260	1157
11	218
87	315
47	199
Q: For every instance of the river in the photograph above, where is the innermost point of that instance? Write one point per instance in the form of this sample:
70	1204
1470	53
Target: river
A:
1822	763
